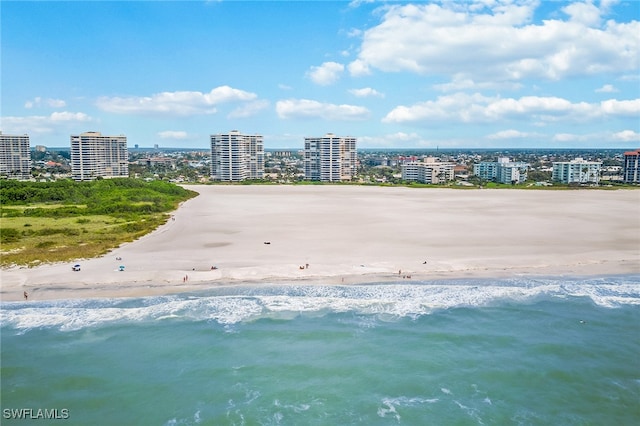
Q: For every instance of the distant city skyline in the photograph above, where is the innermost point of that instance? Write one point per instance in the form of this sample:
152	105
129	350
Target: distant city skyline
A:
426	74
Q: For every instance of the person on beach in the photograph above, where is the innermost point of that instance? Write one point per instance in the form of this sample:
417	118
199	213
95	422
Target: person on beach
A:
26	296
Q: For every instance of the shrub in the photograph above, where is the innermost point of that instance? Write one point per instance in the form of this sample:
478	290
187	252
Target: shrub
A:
9	235
45	244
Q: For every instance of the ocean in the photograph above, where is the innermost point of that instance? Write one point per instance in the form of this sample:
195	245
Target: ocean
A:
520	351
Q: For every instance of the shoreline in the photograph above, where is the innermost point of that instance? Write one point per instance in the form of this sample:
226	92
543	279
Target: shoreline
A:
333	235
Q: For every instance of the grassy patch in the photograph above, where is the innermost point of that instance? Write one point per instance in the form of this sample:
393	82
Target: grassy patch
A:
55	240
65	220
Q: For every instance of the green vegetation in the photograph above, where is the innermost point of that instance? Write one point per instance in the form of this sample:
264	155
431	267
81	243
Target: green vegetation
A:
63	220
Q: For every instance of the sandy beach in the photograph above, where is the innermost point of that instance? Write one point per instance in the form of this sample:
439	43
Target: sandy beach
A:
353	234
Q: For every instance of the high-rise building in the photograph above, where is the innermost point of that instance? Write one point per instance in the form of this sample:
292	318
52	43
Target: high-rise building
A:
576	171
236	157
330	158
631	168
94	155
15	157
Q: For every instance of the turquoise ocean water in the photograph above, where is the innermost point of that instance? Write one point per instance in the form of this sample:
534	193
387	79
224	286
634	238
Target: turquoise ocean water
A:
544	351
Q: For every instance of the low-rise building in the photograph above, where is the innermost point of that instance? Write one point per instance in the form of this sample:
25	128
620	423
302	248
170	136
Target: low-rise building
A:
427	171
502	171
576	171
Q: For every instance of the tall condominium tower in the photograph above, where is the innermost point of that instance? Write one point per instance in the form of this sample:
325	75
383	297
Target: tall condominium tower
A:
631	168
15	157
236	157
94	155
330	158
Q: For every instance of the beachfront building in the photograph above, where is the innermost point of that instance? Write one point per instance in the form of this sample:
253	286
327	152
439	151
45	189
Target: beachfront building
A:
330	158
94	155
429	171
15	157
502	171
631	168
236	157
576	171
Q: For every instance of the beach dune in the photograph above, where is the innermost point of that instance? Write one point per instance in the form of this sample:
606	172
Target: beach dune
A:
332	234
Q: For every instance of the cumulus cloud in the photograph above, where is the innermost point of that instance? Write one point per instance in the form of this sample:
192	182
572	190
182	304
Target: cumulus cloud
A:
627	136
477	108
366	92
584	13
306	108
175	103
628	108
326	74
173	134
49	102
624	136
42	124
607	88
499	39
359	68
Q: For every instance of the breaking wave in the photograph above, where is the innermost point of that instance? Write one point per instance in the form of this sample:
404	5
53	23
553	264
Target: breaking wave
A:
235	304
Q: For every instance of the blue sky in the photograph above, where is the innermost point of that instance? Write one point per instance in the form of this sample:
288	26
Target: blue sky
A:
394	74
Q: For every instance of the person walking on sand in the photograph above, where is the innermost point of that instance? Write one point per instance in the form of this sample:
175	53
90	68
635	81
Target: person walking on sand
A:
26	296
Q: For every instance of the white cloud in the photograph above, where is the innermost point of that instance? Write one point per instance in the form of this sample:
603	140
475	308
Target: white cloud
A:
476	108
584	13
366	92
511	134
607	88
175	103
42	124
173	134
629	108
306	108
459	82
359	68
249	109
49	102
496	42
627	136
567	137
326	74
630	77
624	136
356	3
69	116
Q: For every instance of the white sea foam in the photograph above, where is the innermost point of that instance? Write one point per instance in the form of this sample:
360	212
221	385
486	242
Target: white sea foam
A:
389	405
382	302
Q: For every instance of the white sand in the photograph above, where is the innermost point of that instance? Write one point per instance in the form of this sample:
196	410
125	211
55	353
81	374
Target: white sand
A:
355	234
